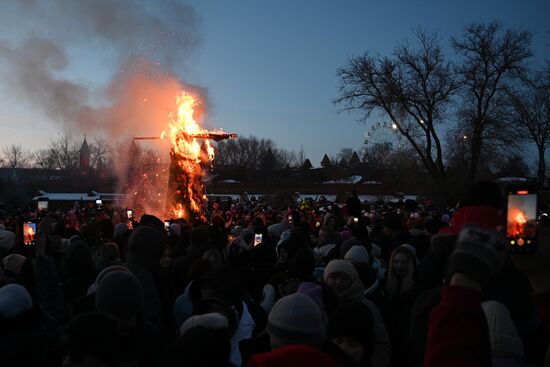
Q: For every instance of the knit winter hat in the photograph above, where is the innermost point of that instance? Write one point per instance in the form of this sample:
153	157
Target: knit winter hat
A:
357	254
355	293
293	356
339	266
347	245
103	273
222	304
14	300
7	239
212	320
14	262
478	253
119	293
503	334
296	319
313	291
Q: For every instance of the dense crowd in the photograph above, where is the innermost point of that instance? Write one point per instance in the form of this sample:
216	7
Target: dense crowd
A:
312	283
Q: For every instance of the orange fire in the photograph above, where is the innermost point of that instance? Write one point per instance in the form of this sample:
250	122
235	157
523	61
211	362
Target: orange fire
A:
521	218
188	154
516	222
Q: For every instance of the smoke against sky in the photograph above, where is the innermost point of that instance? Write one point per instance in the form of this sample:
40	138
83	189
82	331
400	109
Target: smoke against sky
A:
146	43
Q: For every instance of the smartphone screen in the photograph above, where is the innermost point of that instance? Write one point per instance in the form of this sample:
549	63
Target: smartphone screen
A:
29	232
257	239
521	219
129	213
42	205
355	219
166	224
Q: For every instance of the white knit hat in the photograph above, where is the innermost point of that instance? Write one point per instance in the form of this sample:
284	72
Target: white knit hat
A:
296	319
503	334
358	254
212	320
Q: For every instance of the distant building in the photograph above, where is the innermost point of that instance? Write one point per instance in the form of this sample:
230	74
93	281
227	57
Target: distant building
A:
84	157
354	161
326	161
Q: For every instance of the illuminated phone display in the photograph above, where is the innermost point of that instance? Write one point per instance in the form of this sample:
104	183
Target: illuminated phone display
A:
257	239
521	221
29	233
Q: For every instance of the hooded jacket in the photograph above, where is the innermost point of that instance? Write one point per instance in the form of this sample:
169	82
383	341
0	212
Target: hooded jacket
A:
145	248
356	293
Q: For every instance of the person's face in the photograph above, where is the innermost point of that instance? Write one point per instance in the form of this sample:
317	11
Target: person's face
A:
400	265
323	235
166	258
283	256
339	282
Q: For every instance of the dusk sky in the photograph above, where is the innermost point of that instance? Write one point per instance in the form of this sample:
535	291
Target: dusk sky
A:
267	68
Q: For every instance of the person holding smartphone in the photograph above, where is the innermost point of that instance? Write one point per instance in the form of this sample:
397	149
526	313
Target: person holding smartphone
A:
455	325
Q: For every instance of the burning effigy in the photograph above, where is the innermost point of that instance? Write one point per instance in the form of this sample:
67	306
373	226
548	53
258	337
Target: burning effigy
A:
191	153
185	196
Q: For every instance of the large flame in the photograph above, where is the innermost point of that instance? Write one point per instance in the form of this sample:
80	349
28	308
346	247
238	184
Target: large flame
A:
188	154
516	222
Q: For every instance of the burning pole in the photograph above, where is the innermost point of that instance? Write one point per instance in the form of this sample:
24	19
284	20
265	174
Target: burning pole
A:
185	194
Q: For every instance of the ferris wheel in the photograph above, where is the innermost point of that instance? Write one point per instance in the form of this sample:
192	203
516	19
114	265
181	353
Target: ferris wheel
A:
384	134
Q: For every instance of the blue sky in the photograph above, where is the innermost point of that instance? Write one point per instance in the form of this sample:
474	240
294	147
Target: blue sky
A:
269	67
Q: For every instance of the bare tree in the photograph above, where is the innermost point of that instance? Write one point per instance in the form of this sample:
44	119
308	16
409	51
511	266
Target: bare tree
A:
378	155
345	154
286	158
491	58
44	158
245	152
65	151
15	157
412	89
530	110
99	150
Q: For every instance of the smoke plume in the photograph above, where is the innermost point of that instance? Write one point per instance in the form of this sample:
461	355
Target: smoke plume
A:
145	46
147	42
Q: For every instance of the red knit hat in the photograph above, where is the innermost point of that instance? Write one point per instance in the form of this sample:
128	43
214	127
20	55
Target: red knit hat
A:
292	356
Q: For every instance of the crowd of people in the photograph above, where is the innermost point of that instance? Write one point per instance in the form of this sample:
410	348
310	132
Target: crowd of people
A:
306	284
